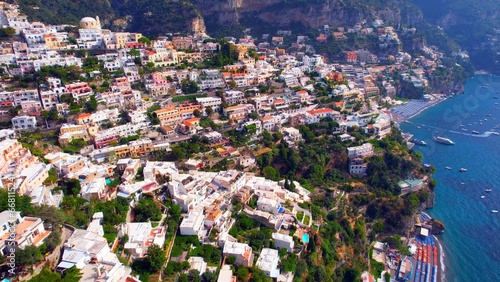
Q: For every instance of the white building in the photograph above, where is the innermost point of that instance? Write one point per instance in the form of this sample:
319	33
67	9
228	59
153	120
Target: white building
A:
357	166
292	135
232	180
283	241
269	205
43	196
193	223
7	134
268	261
93	189
234	97
49	99
197	263
24	122
311	62
22	231
214	102
226	274
363	151
141	235
90	252
242	252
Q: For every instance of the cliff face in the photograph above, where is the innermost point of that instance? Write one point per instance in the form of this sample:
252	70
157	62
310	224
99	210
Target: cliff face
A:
155	17
282	13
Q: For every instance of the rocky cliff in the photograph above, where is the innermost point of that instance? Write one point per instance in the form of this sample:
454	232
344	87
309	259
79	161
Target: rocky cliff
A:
313	14
156	17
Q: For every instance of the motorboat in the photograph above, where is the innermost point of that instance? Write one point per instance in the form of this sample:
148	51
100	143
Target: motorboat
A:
462	169
448	168
419	142
443	140
482	197
487	190
475	132
494	211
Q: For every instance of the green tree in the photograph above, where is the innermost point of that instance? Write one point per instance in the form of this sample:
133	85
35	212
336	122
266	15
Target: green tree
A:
209	110
155	258
52	178
144	40
71	186
270	172
91	104
30	255
197	113
253	115
146	210
242	273
183	278
189	86
134	52
7	32
72	275
230	259
46	275
209	276
194	276
52	241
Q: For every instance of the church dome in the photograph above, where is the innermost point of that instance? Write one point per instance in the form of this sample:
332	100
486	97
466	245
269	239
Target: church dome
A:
88	20
90	23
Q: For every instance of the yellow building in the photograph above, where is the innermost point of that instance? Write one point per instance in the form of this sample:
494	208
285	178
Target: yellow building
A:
168	116
140	147
70	132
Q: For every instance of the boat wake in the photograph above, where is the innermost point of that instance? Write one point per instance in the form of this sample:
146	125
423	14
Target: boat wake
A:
484	135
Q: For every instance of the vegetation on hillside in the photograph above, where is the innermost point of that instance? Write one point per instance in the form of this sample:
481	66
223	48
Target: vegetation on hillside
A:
472	24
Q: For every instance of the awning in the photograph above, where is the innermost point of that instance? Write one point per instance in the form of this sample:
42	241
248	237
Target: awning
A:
65	265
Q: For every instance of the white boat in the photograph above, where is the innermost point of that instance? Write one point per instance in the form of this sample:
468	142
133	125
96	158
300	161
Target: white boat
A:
419	142
482	197
443	140
475	132
462	169
448	168
494	211
487	190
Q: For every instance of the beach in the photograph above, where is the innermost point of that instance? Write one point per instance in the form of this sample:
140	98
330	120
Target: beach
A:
414	107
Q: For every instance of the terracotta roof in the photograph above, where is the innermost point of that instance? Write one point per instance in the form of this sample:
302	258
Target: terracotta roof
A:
167	128
320	111
83	116
168	109
213	215
189	122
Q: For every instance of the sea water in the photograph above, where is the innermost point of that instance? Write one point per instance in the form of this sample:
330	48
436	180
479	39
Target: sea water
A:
471	241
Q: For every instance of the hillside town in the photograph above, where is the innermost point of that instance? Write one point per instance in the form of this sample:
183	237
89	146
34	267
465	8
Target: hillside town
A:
117	105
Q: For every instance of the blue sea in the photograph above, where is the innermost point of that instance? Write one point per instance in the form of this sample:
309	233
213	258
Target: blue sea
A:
471	241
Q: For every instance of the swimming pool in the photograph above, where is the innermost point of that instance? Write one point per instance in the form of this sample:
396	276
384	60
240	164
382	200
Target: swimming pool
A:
108	181
305	238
